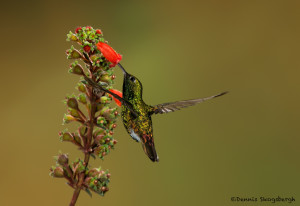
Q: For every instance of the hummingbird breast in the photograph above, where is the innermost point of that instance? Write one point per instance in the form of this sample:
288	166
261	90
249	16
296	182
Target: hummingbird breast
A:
136	126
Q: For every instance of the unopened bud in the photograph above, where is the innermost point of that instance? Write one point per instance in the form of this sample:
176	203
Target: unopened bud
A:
72	103
73	112
65	136
73	54
77	69
68	119
73	37
57	172
101	121
82	98
94	58
105	78
81	87
62	159
104	99
77	139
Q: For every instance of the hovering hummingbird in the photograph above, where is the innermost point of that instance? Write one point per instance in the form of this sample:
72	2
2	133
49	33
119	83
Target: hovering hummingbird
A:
136	114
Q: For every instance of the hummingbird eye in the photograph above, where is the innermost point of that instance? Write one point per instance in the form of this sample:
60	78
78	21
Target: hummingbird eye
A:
132	79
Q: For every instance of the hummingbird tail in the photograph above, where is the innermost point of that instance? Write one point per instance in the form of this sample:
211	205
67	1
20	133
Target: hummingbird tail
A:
149	149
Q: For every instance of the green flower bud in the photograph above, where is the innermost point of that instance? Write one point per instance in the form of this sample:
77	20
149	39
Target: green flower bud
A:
68	119
73	37
81	87
63	159
104	99
94	58
77	139
101	121
105	78
73	112
77	69
65	136
82	98
73	54
57	172
72	103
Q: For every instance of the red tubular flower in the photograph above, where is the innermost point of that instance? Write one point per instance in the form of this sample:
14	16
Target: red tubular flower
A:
87	48
98	31
117	93
109	53
77	29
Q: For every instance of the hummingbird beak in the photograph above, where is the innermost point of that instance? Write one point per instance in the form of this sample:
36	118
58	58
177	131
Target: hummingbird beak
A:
121	67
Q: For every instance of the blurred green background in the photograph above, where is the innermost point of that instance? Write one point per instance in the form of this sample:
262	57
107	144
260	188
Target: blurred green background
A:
244	144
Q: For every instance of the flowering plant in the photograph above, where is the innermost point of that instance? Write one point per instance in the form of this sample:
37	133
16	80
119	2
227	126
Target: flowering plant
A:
94	136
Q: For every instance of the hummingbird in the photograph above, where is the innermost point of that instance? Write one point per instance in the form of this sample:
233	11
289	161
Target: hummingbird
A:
136	114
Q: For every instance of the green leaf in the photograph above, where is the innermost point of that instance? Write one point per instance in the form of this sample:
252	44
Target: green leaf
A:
88	191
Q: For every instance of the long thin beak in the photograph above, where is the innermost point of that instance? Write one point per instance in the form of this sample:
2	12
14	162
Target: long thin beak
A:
124	71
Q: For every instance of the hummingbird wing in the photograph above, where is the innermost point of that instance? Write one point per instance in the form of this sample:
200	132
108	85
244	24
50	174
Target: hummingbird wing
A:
174	106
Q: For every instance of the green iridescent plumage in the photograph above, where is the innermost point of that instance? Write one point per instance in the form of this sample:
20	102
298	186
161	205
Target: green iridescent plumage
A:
139	125
136	114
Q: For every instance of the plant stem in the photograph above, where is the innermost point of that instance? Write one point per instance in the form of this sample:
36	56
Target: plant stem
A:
87	148
75	196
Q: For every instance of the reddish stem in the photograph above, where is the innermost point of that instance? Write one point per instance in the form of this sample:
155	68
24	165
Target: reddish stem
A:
89	137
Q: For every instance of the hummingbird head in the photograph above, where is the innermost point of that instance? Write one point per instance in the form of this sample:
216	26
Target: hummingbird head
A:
132	87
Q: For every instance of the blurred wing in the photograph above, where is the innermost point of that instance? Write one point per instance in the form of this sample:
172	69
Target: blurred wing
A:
174	106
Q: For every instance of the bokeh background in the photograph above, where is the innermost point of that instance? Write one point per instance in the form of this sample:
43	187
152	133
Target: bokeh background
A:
244	144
